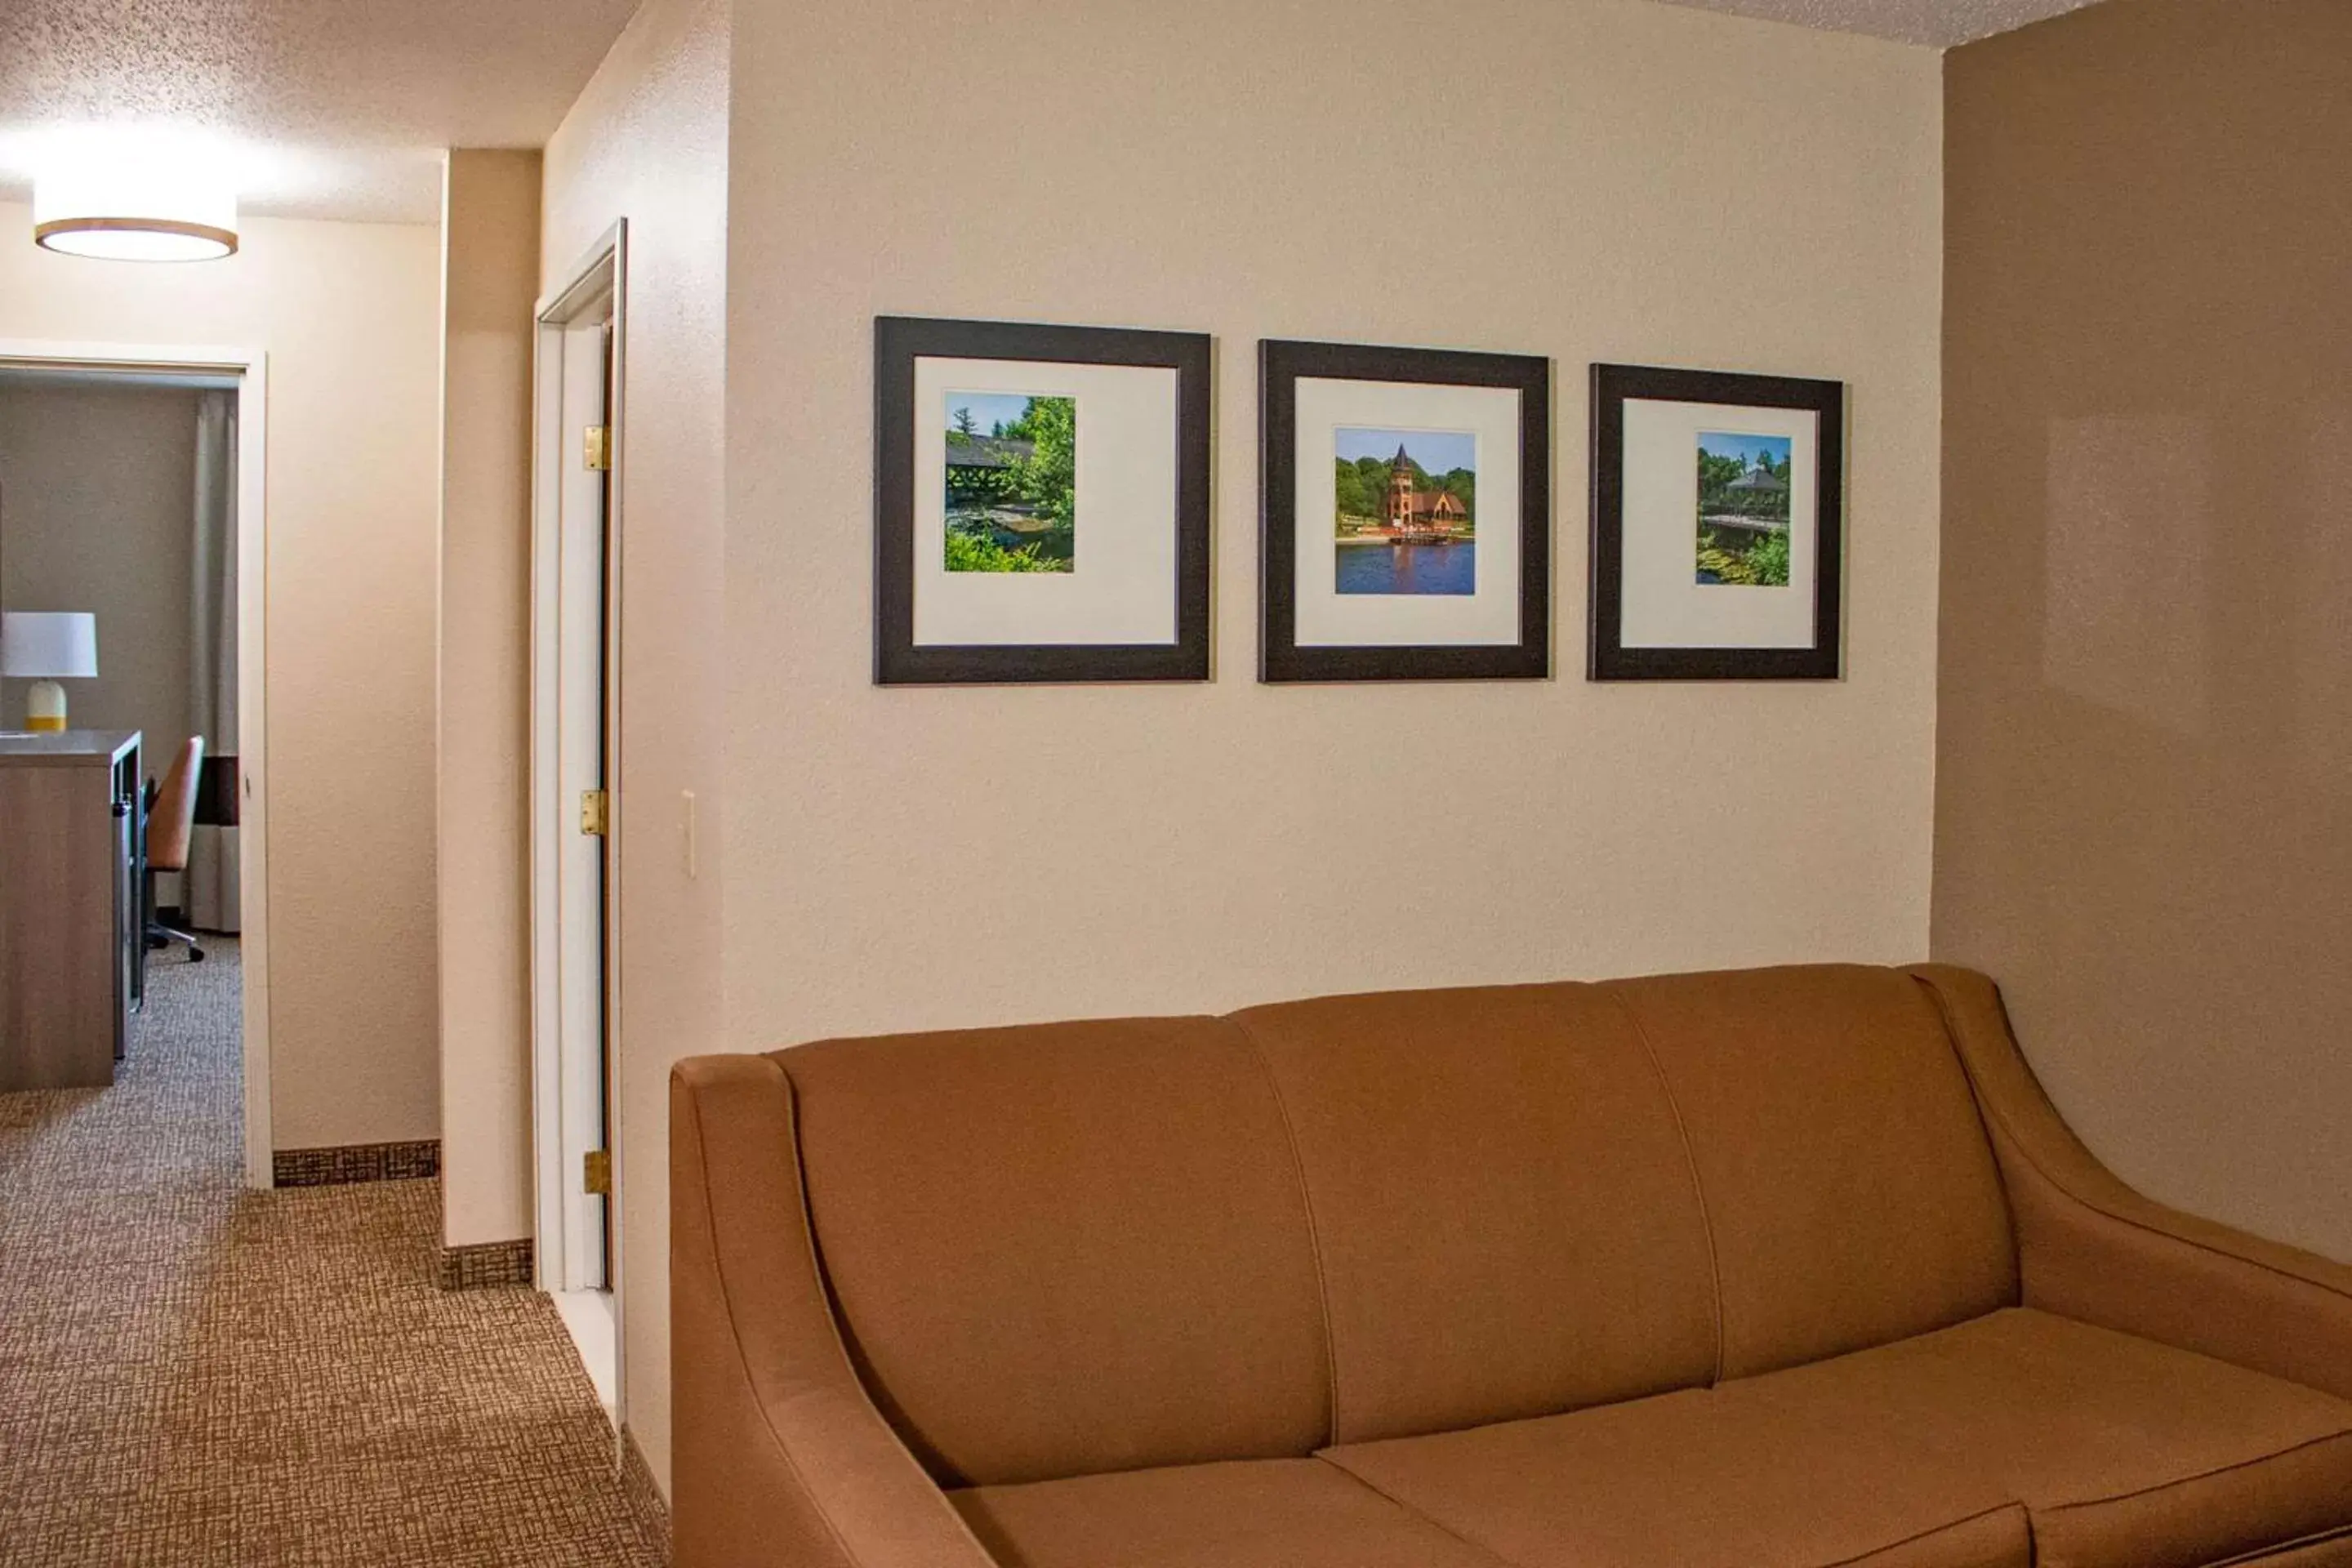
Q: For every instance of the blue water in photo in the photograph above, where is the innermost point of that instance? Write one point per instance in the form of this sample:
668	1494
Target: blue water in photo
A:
1408	568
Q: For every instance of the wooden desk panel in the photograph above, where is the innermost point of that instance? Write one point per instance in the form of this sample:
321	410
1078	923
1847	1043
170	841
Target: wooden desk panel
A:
63	924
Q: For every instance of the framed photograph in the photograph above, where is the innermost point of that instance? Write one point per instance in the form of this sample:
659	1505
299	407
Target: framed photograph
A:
1405	519
1041	503
1716	525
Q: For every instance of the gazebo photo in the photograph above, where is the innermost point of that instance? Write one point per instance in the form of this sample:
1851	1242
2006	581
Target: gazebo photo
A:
1743	509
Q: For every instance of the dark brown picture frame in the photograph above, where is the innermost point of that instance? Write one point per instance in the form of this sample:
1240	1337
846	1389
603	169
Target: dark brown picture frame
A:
898	342
1280	658
1607	657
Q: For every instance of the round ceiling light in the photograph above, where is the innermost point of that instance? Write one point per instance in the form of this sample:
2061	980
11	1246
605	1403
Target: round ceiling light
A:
123	211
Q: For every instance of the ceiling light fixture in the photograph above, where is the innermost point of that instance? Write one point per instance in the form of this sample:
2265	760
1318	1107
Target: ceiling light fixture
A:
129	208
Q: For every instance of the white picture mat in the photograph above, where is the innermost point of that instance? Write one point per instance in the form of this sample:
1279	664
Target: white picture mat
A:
1663	605
1324	617
1123	589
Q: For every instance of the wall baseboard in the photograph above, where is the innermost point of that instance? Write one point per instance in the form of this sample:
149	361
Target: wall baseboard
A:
410	1162
483	1264
644	1494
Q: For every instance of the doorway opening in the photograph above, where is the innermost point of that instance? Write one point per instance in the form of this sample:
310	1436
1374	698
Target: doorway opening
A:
576	810
173	590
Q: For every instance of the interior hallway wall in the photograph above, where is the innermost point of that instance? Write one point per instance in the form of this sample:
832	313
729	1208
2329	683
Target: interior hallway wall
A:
1585	179
489	237
349	315
97	513
648	139
2146	713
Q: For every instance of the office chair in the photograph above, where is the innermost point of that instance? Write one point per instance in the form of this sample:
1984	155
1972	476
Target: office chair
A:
171	820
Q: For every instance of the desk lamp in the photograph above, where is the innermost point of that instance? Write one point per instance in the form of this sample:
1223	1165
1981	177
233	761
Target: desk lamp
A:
48	646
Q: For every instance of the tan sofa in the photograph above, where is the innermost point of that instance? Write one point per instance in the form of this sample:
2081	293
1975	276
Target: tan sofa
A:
1779	1268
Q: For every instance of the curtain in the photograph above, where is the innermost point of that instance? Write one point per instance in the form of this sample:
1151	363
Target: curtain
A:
209	894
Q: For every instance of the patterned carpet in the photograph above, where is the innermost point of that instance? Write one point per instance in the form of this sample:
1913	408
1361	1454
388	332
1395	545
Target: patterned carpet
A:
195	1374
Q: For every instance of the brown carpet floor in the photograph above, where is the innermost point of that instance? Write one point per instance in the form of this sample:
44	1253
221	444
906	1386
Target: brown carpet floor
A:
195	1374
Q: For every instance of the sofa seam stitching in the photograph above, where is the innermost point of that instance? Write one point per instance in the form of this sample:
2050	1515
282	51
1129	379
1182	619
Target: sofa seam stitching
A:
2335	1437
2280	1548
2000	1119
1690	1163
1307	1205
1932	1531
1402	1506
1984	1111
1862	1557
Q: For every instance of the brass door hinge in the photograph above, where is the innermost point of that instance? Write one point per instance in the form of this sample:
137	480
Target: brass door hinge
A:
596	1173
598	446
594	812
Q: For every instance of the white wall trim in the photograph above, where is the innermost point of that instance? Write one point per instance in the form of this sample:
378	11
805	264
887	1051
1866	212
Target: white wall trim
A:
546	1074
602	271
252	368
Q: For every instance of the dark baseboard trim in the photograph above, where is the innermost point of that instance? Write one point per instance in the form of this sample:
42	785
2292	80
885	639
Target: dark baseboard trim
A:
482	1264
644	1495
356	1162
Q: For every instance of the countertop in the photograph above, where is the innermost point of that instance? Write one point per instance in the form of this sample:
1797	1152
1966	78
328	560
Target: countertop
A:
64	748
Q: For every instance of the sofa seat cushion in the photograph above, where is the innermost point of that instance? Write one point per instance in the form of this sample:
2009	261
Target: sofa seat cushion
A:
1746	1475
1262	1513
2130	1453
2124	1453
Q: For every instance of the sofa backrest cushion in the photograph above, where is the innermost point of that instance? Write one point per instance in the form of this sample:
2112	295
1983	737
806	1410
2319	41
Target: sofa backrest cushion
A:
1849	1189
1067	1248
1507	1218
1070	1248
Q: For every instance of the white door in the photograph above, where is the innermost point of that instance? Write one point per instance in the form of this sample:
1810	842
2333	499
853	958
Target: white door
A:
581	752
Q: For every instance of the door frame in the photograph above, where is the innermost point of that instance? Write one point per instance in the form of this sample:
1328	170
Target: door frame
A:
251	367
602	273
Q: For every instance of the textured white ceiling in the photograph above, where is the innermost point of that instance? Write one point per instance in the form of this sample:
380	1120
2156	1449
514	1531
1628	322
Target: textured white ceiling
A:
339	108
327	108
1942	23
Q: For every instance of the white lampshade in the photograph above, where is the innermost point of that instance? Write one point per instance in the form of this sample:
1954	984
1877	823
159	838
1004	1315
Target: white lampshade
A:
130	209
48	644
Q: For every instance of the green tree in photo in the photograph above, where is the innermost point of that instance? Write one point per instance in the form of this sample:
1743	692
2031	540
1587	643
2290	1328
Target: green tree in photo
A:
1048	480
969	551
1352	493
1763	565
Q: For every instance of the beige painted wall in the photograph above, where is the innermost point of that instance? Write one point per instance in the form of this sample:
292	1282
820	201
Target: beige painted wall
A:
350	316
648	139
2147	680
490	235
97	512
1625	182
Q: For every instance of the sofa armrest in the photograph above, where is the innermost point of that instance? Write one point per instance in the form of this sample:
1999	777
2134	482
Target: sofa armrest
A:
779	1457
2093	1248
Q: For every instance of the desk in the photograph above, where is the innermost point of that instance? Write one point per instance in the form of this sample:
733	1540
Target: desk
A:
72	953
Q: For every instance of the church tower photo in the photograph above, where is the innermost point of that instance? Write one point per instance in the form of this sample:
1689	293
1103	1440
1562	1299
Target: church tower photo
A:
1401	490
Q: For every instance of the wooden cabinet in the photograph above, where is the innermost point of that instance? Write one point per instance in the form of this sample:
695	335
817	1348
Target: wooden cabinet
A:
72	936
